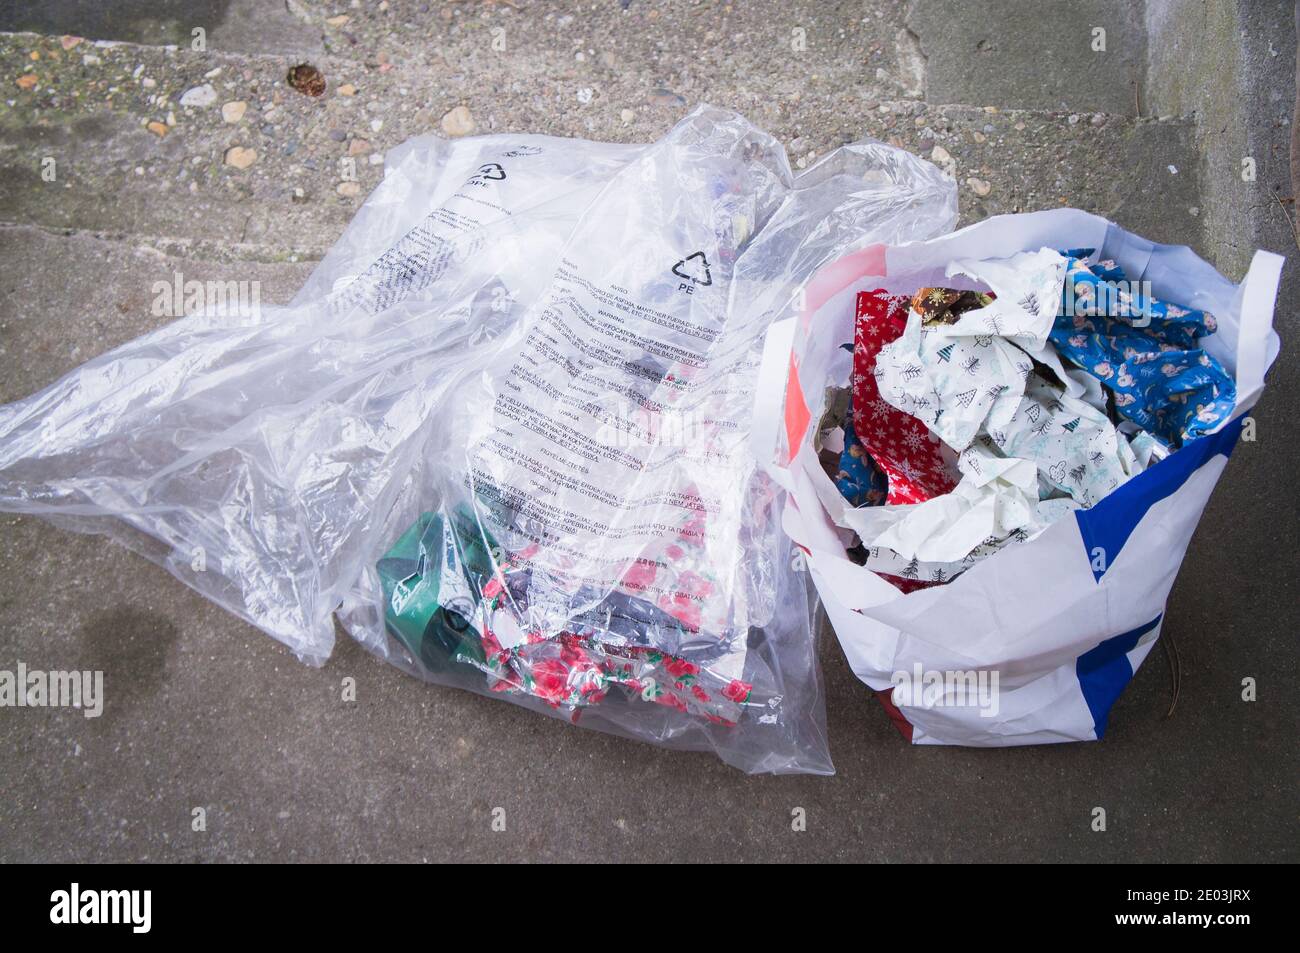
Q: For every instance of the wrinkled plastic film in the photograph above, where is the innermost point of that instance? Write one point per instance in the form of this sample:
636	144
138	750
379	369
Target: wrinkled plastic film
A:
503	430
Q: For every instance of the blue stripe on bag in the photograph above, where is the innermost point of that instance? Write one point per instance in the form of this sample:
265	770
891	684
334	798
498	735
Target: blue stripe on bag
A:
1108	525
1105	670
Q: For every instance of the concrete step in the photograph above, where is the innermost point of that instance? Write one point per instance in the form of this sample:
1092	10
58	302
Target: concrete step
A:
1084	55
67	297
245	26
678	47
977	52
89	107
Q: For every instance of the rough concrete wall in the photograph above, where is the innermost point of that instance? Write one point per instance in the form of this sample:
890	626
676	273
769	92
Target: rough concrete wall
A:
1231	65
1075	65
1032	54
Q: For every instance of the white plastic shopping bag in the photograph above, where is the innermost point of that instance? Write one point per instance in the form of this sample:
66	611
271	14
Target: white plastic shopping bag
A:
1034	643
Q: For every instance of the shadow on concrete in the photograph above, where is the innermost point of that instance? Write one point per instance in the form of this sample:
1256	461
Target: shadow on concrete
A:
248	26
154	22
130	647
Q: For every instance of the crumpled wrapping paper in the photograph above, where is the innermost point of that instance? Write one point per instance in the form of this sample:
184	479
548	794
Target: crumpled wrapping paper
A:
990	385
452	603
905	450
1145	351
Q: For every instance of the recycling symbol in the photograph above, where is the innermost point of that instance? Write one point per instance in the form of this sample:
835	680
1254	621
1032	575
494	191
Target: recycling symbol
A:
694	267
492	171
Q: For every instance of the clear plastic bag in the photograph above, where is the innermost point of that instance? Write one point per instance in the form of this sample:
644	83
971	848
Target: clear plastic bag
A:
503	430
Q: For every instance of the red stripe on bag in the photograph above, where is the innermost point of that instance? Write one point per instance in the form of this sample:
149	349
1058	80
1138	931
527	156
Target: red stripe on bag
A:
885	697
829	281
797	414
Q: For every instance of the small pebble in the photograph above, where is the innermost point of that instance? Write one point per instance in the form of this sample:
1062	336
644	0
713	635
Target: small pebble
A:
458	122
240	157
233	111
199	97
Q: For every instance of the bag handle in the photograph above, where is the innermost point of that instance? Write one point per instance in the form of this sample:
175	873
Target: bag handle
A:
769	399
773	376
1255	337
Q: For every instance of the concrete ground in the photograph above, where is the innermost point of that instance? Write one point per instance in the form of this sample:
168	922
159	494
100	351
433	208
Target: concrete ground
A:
204	711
